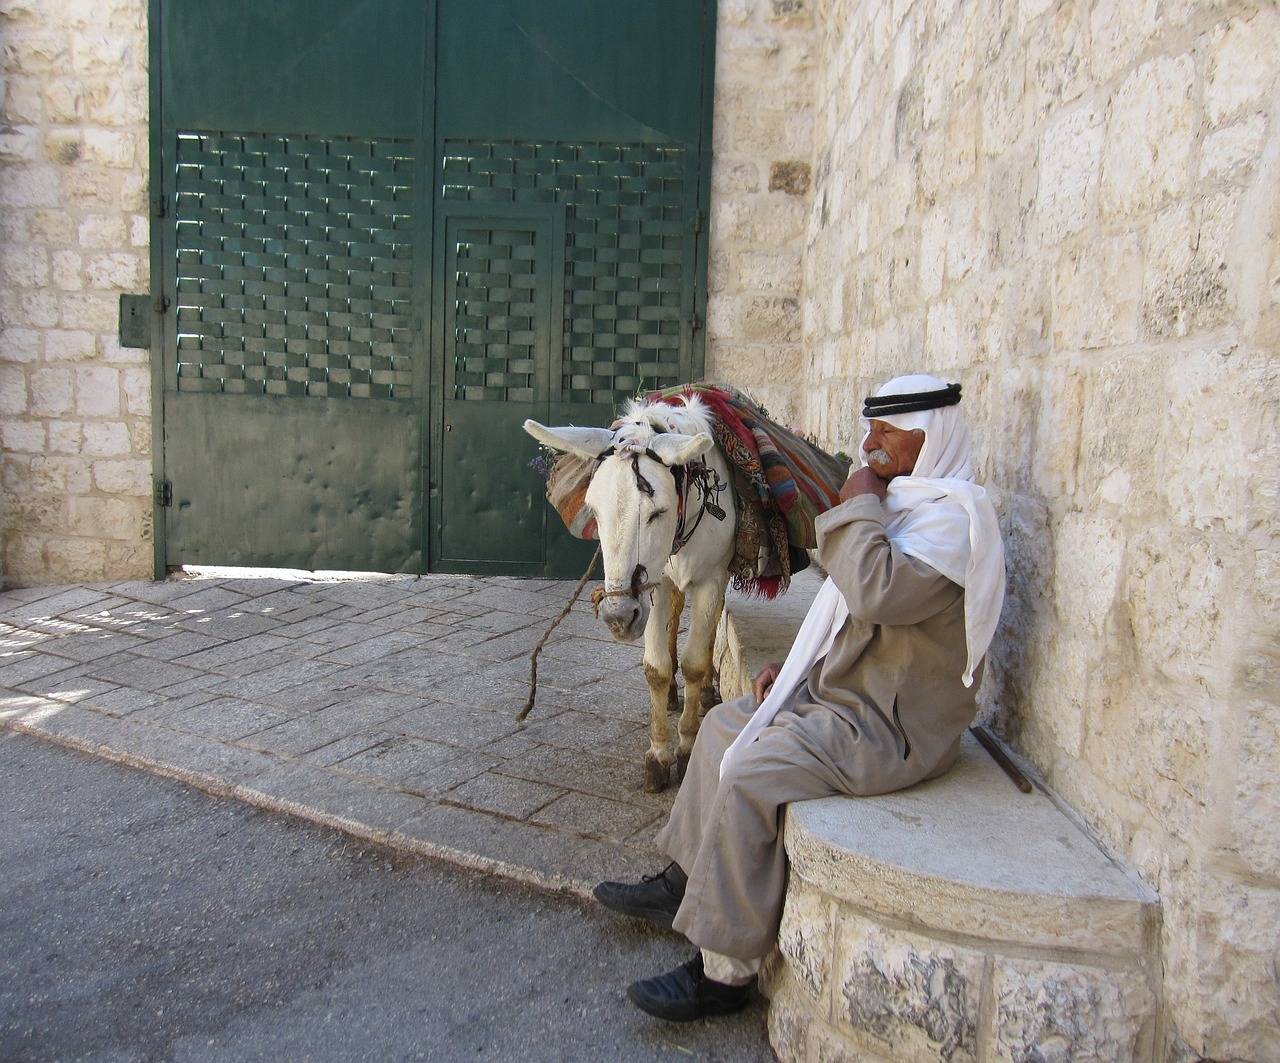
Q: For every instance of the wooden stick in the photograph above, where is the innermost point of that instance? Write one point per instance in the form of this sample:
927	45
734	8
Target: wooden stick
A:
533	657
1000	757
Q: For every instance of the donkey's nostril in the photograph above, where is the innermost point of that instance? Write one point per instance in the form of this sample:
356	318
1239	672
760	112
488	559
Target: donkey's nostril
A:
635	614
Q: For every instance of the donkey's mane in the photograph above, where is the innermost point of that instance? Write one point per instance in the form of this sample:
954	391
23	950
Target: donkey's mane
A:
690	417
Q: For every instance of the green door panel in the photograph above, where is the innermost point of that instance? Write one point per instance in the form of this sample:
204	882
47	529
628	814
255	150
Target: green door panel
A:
281	483
308	66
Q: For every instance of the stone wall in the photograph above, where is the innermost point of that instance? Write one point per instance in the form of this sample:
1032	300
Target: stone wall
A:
75	407
1071	207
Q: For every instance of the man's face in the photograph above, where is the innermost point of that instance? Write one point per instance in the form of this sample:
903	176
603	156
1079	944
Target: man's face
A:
892	451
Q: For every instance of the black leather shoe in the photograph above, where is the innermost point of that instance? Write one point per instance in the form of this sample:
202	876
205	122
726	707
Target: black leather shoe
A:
655	898
686	994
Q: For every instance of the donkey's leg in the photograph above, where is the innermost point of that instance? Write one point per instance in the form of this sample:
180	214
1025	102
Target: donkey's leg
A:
699	649
659	673
673	633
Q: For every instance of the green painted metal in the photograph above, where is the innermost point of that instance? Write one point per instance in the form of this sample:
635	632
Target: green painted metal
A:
386	232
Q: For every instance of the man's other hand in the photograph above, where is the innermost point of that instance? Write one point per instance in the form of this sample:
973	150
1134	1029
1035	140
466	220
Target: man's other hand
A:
765	680
863	481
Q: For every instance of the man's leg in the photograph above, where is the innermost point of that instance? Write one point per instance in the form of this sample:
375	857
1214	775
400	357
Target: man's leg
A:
657	897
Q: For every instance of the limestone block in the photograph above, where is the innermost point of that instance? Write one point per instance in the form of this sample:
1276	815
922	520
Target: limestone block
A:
1186	287
104	518
101	53
967	244
64	147
1097	294
1232	153
34	309
1150	137
1119	30
58	475
103	439
1068	1014
20	99
137	391
117	270
919	998
1070	170
35	52
732	176
74	560
1237	946
63	100
24	267
22	437
19	144
21	345
97	312
110	147
51	227
1242	71
1057	65
130	477
767	271
31	185
51	392
66	345
13	390
102	231
806	939
134	190
139	232
65	272
1003	111
66	437
116	103
1255	820
98	391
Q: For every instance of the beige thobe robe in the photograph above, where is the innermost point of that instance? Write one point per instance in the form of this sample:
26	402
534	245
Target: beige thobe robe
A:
883	710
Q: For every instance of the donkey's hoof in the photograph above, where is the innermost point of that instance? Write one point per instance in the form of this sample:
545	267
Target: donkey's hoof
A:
682	764
657	773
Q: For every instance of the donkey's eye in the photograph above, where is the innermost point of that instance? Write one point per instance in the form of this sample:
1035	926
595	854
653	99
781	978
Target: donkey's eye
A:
655	515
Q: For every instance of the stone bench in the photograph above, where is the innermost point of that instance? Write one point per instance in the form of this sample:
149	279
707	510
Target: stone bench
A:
959	920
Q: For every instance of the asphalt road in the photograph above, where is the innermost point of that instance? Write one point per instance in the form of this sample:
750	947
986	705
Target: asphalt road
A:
143	920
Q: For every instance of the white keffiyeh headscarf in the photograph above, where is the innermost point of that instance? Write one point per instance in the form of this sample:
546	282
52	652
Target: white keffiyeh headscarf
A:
938	514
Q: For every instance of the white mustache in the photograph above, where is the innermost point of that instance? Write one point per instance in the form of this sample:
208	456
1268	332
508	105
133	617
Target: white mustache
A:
879	457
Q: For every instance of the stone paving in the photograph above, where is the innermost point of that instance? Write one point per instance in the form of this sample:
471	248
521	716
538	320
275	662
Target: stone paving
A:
382	706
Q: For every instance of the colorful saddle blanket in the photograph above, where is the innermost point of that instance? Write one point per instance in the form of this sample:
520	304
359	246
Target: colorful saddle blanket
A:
781	483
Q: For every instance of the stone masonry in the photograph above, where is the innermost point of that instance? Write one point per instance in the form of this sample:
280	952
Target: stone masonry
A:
1069	205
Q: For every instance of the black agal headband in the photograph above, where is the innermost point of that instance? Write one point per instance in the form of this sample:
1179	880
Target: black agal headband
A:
887	405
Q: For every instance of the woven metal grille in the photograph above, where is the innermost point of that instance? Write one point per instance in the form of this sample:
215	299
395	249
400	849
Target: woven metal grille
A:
495	314
626	226
294	268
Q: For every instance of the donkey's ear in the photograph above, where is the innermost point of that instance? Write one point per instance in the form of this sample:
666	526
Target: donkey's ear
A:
672	449
584	442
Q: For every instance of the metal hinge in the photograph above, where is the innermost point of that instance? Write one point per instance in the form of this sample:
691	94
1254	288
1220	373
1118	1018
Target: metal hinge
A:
163	493
699	223
697	322
162	304
161	206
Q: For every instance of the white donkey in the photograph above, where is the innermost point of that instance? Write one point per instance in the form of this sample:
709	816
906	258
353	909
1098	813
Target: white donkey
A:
663	529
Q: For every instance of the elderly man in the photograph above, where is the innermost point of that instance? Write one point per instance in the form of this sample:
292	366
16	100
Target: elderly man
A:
873	696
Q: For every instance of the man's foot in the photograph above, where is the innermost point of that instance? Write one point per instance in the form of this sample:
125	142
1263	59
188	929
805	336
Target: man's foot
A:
686	994
655	898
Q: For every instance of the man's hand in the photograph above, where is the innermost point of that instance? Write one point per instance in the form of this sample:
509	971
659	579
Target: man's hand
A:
765	680
863	481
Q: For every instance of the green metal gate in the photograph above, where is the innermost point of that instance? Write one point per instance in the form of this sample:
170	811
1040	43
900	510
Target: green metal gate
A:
386	232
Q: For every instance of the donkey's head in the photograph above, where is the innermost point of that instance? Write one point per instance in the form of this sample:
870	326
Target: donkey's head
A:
635	499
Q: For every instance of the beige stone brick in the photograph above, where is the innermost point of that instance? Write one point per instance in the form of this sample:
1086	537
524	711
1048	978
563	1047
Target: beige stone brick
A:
63	100
1233	153
1097	295
63	147
97	312
65	271
66	437
92	187
1150	137
1255	819
52	227
137	392
73	560
1070	169
1187	283
1072	1011
35	52
105	439
116	104
98	391
70	346
13	390
51	392
30	185
59	475
127	477
21	345
19	144
102	231
1242	70
101	53
103	518
1119	30
108	147
766	271
20	100
24	267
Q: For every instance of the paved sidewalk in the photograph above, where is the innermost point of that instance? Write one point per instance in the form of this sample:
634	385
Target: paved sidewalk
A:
382	706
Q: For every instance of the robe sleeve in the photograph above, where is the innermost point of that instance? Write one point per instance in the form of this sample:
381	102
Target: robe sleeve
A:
880	584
